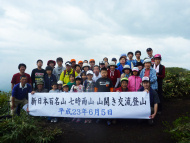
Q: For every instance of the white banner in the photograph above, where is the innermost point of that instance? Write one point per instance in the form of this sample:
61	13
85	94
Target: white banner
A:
134	105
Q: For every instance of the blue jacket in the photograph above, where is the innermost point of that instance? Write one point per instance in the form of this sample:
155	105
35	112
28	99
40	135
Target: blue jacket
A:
128	62
20	93
153	78
48	81
135	62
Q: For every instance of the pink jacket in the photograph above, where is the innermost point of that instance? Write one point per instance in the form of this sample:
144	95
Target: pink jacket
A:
134	83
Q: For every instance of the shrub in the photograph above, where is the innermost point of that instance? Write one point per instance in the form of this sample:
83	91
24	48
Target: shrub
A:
4	104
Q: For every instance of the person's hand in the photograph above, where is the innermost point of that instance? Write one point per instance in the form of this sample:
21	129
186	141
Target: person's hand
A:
32	92
27	110
12	107
146	90
117	91
152	116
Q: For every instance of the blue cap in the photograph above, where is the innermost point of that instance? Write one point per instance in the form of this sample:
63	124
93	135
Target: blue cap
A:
123	55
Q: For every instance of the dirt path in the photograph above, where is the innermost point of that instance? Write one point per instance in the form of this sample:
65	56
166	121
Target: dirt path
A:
129	131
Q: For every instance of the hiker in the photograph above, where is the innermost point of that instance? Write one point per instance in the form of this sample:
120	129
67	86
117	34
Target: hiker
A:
150	54
130	60
49	78
101	64
72	81
92	63
105	59
148	71
114	74
85	61
134	81
37	74
83	76
59	86
138	58
80	63
59	69
114	60
20	94
154	99
73	63
65	88
66	73
122	61
125	56
78	69
126	71
96	74
140	66
160	72
16	77
124	85
51	63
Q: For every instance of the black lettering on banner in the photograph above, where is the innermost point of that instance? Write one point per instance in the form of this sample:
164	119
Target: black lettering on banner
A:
84	101
113	101
91	102
33	102
120	100
63	101
45	101
143	101
106	101
39	100
57	101
127	101
71	101
51	101
99	102
135	101
77	101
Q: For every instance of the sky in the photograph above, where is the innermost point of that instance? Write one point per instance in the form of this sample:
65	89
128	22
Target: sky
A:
47	29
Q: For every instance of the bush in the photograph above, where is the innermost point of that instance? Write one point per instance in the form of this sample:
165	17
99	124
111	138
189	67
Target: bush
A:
180	129
4	104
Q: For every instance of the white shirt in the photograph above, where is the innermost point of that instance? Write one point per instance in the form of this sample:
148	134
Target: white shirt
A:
95	78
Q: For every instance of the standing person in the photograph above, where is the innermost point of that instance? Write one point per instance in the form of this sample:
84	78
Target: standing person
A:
16	77
138	58
160	72
73	63
72	81
20	94
101	64
122	61
83	76
130	61
106	65
92	63
96	74
140	66
78	69
114	74
148	71
77	88
154	99
37	74
49	78
114	59
134	83
105	59
59	69
125	56
66	73
150	54
80	64
89	86
51	63
126	71
85	67
124	85
104	84
85	61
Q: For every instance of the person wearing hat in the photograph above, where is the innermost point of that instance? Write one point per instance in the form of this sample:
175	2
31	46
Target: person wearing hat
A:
85	61
114	59
73	63
154	99
126	71
124	85
140	66
134	83
65	88
101	64
51	63
16	77
150	54
148	71
59	69
92	63
130	60
40	87
78	69
138	58
80	63
85	67
59	85
113	74
122	61
89	84
160	72
49	78
122	55
105	59
66	73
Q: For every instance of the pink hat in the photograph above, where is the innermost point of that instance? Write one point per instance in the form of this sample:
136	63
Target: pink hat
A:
135	69
157	56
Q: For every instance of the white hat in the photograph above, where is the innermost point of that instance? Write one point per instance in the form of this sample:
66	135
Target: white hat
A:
89	72
68	63
135	69
60	82
85	65
112	63
145	78
147	60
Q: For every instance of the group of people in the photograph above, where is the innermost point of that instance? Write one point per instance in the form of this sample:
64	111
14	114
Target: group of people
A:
126	75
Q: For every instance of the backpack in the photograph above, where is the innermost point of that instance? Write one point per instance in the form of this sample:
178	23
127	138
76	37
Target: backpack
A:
65	73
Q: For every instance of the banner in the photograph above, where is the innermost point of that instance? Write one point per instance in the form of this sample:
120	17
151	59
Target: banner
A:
134	105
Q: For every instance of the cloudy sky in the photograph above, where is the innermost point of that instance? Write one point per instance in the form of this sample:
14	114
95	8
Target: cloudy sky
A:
46	29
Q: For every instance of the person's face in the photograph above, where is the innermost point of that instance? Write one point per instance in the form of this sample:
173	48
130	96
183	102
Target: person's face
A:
54	87
78	82
59	86
157	61
122	60
102	66
124	84
92	63
96	70
105	60
130	56
147	65
140	68
135	73
89	76
106	64
39	64
77	69
72	78
80	64
23	80
84	77
48	72
138	55
68	67
127	71
22	69
66	89
150	53
86	69
40	86
146	84
104	74
51	65
112	68
73	63
59	63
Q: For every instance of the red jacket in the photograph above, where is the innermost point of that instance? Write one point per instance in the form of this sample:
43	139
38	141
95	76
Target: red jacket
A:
120	90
